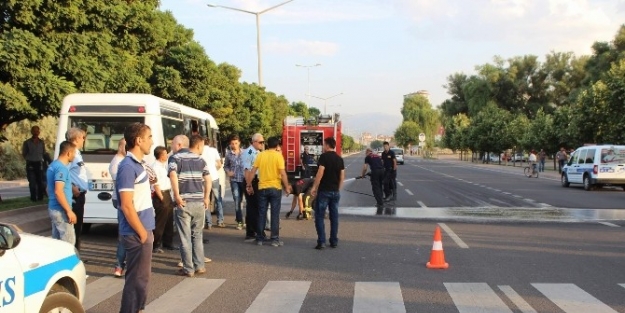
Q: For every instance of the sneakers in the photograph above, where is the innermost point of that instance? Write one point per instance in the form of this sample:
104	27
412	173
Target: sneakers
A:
249	239
158	250
182	272
320	246
200	271
221	225
118	272
206	260
259	243
239	226
277	243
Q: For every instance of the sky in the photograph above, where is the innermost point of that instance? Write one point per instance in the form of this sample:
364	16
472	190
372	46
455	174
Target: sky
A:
372	52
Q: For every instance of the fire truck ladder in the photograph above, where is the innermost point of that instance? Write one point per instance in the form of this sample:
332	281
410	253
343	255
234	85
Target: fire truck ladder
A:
291	158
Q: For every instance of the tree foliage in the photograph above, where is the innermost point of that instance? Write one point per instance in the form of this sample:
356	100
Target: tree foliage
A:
49	49
524	103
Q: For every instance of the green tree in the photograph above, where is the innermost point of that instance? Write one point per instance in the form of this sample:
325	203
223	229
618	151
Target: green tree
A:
407	133
376	144
299	109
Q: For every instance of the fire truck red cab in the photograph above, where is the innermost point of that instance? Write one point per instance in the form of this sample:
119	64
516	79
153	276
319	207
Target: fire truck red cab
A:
299	133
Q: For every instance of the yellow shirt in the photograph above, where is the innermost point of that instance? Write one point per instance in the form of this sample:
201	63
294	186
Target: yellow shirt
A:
269	164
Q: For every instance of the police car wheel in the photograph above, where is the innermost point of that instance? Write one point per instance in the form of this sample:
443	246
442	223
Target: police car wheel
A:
61	302
564	180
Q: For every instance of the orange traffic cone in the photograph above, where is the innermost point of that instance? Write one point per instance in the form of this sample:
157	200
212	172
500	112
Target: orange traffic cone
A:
437	257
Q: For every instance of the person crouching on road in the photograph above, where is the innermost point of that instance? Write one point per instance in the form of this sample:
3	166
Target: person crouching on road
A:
271	173
60	194
374	162
192	198
329	182
301	196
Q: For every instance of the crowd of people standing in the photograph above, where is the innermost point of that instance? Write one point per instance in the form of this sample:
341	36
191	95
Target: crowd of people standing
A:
176	190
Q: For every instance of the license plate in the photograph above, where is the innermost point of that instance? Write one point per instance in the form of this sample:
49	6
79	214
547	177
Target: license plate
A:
97	185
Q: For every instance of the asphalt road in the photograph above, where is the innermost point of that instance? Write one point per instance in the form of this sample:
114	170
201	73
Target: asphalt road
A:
14	192
505	265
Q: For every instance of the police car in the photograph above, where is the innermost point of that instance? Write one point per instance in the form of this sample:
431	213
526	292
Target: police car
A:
595	166
39	274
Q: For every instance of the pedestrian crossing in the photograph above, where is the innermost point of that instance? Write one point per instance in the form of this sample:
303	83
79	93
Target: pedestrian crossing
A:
368	297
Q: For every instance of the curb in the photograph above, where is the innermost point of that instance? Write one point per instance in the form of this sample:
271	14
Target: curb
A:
32	219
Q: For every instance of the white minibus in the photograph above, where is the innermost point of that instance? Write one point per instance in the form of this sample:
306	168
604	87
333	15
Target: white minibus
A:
104	117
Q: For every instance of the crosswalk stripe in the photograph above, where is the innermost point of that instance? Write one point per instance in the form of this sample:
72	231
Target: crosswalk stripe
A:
280	297
622	285
186	296
520	303
101	290
572	299
372	297
475	298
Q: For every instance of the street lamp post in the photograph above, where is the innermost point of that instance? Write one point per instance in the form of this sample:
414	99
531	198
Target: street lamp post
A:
257	14
308	70
325	101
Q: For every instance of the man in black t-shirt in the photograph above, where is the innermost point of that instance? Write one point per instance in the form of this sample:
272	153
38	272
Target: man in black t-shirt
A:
301	195
390	173
376	165
329	181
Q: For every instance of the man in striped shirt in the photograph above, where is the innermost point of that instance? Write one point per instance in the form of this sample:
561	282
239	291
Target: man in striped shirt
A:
191	184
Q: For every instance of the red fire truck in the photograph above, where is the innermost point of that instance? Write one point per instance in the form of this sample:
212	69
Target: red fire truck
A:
299	133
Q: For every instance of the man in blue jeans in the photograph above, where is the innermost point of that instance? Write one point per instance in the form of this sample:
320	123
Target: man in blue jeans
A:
234	170
327	186
271	176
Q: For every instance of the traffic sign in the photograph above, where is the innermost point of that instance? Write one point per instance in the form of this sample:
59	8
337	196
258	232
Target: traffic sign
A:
421	137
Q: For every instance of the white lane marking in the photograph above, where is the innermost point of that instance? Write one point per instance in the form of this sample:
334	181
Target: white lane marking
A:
497	190
517	196
372	297
544	205
186	296
409	192
520	303
349	179
529	200
453	236
101	290
506	193
475	298
609	224
279	297
622	285
572	299
422	204
399	183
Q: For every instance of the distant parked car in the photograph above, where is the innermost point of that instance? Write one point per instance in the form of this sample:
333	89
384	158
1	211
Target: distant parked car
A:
490	158
399	155
519	157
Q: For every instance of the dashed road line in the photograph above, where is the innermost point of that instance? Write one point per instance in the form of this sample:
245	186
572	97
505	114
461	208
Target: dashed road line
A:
517	196
409	192
422	204
453	236
609	224
399	183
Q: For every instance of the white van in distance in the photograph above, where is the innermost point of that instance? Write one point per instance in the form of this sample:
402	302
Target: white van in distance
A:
595	166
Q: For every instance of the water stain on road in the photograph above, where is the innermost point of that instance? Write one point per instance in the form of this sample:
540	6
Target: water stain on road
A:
525	214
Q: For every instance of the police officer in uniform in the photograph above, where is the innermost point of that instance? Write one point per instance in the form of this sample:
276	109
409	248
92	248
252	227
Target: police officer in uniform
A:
374	162
390	173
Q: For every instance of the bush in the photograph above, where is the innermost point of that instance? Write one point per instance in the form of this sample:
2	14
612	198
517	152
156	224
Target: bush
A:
12	164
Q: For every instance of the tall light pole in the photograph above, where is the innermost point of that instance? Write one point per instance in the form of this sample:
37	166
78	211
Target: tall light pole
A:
257	14
308	70
325	101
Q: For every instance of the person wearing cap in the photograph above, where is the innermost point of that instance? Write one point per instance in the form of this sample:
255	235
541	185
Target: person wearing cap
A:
375	163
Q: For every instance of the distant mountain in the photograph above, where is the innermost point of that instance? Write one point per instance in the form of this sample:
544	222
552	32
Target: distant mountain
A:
374	123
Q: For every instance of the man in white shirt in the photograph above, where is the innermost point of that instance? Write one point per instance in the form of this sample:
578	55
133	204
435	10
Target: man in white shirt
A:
532	160
213	160
163	204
